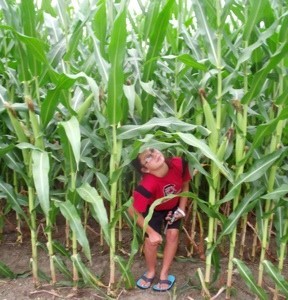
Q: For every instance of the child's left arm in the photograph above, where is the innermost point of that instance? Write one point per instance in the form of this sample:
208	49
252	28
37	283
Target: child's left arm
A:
183	200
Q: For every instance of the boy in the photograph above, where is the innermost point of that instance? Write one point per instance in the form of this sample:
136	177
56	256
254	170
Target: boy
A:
160	177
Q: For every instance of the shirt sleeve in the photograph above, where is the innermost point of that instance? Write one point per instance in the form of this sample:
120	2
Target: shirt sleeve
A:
141	199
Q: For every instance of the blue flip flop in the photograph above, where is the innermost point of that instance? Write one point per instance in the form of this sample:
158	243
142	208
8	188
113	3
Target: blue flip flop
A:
169	281
146	279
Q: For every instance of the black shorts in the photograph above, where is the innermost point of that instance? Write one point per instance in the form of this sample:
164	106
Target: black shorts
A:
158	221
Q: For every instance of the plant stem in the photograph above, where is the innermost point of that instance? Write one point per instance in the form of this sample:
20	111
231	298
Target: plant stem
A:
33	230
114	161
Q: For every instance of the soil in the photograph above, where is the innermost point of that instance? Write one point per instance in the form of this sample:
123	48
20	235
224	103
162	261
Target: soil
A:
17	257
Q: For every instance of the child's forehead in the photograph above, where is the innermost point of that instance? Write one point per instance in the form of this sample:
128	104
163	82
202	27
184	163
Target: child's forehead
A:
145	152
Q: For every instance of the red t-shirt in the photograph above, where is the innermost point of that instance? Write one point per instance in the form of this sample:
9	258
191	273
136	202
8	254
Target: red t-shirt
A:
151	187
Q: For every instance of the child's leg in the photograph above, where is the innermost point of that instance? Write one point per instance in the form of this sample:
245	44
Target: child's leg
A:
150	252
171	245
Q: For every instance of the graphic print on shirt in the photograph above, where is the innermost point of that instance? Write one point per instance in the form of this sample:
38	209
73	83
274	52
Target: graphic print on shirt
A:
169	189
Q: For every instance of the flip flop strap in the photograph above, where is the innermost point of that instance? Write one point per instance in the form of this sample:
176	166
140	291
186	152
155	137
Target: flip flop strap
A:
146	278
164	281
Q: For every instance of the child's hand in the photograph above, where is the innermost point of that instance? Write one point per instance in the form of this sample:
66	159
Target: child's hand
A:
172	217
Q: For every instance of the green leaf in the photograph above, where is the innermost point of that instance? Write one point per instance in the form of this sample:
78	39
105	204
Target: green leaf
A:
158	33
60	265
5	148
71	215
5	271
151	18
246	204
206	31
126	272
13	200
267	129
256	9
52	99
72	131
74	39
28	19
91	195
255	172
190	139
263	36
102	181
100	26
87	275
132	131
249	280
40	172
14	163
35	46
278	278
116	51
191	62
103	65
59	248
278	193
260	77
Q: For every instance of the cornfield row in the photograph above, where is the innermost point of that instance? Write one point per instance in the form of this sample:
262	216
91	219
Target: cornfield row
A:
84	87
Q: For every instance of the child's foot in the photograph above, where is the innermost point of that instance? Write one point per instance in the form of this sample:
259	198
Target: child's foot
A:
164	284
144	282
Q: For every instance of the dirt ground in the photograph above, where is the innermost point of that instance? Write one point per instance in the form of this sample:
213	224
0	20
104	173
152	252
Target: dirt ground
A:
187	286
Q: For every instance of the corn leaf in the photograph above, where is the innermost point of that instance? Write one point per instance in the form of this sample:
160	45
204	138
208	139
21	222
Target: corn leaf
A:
102	64
158	33
278	193
4	149
72	131
190	139
52	99
126	272
260	77
116	51
249	280
247	204
100	27
255	172
60	265
206	31
188	60
91	195
256	9
264	130
15	163
71	215
102	180
5	271
278	278
40	172
7	189
85	272
151	18
132	131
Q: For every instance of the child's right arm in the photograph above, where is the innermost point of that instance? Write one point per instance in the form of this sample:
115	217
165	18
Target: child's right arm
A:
154	237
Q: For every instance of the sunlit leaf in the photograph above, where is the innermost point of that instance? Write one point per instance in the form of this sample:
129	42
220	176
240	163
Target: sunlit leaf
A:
249	279
40	172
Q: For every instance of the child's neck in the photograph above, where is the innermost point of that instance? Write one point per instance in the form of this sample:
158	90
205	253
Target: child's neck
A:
162	171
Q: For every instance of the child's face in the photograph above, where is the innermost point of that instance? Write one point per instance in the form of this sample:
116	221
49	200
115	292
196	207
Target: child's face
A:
151	159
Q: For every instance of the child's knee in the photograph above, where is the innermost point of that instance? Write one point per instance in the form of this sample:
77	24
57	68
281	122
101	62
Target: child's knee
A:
172	235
